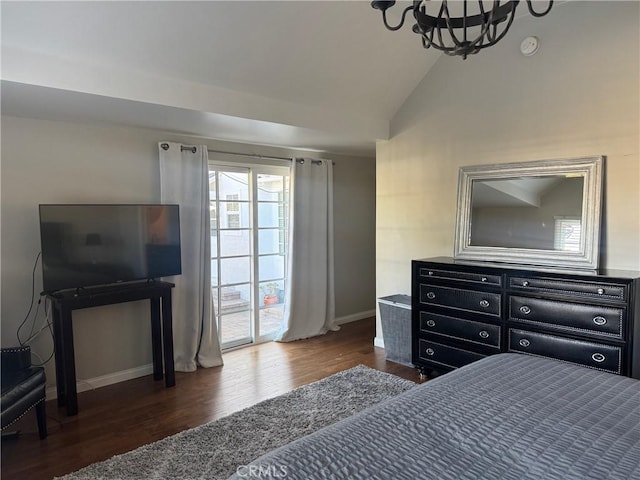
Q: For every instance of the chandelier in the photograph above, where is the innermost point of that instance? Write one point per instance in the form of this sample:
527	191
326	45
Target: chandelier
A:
460	27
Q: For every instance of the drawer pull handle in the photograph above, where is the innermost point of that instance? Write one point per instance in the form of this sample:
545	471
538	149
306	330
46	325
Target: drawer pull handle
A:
484	334
525	310
599	320
431	323
484	303
598	357
429	351
525	284
483	279
524	343
430	273
431	295
600	291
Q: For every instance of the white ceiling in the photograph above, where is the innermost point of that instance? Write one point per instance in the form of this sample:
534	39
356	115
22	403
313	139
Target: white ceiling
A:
307	74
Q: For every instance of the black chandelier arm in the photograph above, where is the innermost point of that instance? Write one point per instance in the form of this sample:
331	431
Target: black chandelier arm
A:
488	21
399	26
492	39
538	14
495	15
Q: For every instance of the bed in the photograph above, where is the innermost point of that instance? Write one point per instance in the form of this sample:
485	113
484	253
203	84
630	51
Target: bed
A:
508	416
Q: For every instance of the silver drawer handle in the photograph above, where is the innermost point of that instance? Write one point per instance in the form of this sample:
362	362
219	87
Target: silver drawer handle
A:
484	334
431	295
431	323
524	342
598	357
430	273
484	303
525	310
429	351
600	291
483	279
599	320
525	284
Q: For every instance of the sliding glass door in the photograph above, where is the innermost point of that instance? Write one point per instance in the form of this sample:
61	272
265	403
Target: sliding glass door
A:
249	233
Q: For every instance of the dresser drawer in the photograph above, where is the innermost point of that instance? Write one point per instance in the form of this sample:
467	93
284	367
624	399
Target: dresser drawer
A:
601	357
463	276
444	355
583	289
461	299
569	317
467	330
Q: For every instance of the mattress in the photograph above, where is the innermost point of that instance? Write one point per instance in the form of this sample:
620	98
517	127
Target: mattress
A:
508	416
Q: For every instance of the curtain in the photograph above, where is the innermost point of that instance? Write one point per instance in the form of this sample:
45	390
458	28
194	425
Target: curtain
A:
309	295
184	180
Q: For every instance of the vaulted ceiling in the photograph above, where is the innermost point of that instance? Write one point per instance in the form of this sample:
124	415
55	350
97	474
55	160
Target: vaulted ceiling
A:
311	74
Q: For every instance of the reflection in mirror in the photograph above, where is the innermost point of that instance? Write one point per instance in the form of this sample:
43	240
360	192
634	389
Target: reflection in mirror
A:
541	212
537	213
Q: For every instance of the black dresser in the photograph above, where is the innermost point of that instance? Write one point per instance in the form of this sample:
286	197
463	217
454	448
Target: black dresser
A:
462	312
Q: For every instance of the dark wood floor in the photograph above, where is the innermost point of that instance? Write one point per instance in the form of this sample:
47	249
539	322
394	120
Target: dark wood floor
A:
121	417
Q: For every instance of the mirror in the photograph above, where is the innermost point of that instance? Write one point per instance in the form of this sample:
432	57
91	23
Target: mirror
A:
537	213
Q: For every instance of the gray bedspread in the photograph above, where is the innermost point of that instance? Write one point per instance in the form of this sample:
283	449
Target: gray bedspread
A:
508	416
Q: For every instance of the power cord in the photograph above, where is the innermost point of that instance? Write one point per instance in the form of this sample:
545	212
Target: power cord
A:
47	322
33	292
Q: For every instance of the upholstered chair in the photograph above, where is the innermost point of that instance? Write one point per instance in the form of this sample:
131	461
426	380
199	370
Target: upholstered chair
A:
23	387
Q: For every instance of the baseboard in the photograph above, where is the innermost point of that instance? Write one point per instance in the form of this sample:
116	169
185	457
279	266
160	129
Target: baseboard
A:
378	342
355	317
104	380
131	373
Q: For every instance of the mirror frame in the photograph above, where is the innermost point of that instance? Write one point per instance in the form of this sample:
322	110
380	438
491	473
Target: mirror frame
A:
591	168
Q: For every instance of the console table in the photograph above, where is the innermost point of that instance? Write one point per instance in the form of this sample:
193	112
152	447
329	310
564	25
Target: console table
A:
462	312
63	304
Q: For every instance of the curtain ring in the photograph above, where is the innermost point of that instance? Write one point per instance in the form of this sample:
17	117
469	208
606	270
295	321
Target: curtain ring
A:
300	161
164	146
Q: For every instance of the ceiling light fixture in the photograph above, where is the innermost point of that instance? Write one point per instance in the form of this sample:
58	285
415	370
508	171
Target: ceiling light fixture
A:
475	27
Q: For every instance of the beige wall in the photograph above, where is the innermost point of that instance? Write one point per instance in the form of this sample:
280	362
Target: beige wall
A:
578	96
57	162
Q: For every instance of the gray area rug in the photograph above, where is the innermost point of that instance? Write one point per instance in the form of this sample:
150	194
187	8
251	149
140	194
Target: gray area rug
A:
215	450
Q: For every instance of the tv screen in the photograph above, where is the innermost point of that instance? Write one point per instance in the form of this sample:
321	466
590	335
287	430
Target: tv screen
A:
90	245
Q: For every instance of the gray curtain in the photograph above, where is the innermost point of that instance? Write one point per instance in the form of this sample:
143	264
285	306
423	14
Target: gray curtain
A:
309	297
184	180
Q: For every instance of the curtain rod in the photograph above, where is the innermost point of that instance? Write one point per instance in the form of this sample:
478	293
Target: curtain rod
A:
252	155
255	155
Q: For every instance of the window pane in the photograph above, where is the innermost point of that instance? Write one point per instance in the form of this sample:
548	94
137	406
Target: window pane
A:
214	244
235	270
271	266
231	183
214	273
269	214
268	241
271	293
235	242
212	185
270	186
234	214
213	215
235	326
271	318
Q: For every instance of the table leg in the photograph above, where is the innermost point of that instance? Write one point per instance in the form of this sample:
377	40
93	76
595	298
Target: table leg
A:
69	362
156	338
167	340
59	354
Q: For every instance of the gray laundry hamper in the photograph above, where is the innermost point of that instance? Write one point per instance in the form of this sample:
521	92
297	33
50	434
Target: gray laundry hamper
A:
395	313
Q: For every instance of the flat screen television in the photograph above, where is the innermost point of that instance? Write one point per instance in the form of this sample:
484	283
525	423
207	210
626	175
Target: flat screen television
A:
90	245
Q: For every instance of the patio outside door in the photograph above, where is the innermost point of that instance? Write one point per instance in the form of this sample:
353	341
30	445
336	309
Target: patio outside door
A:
249	233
